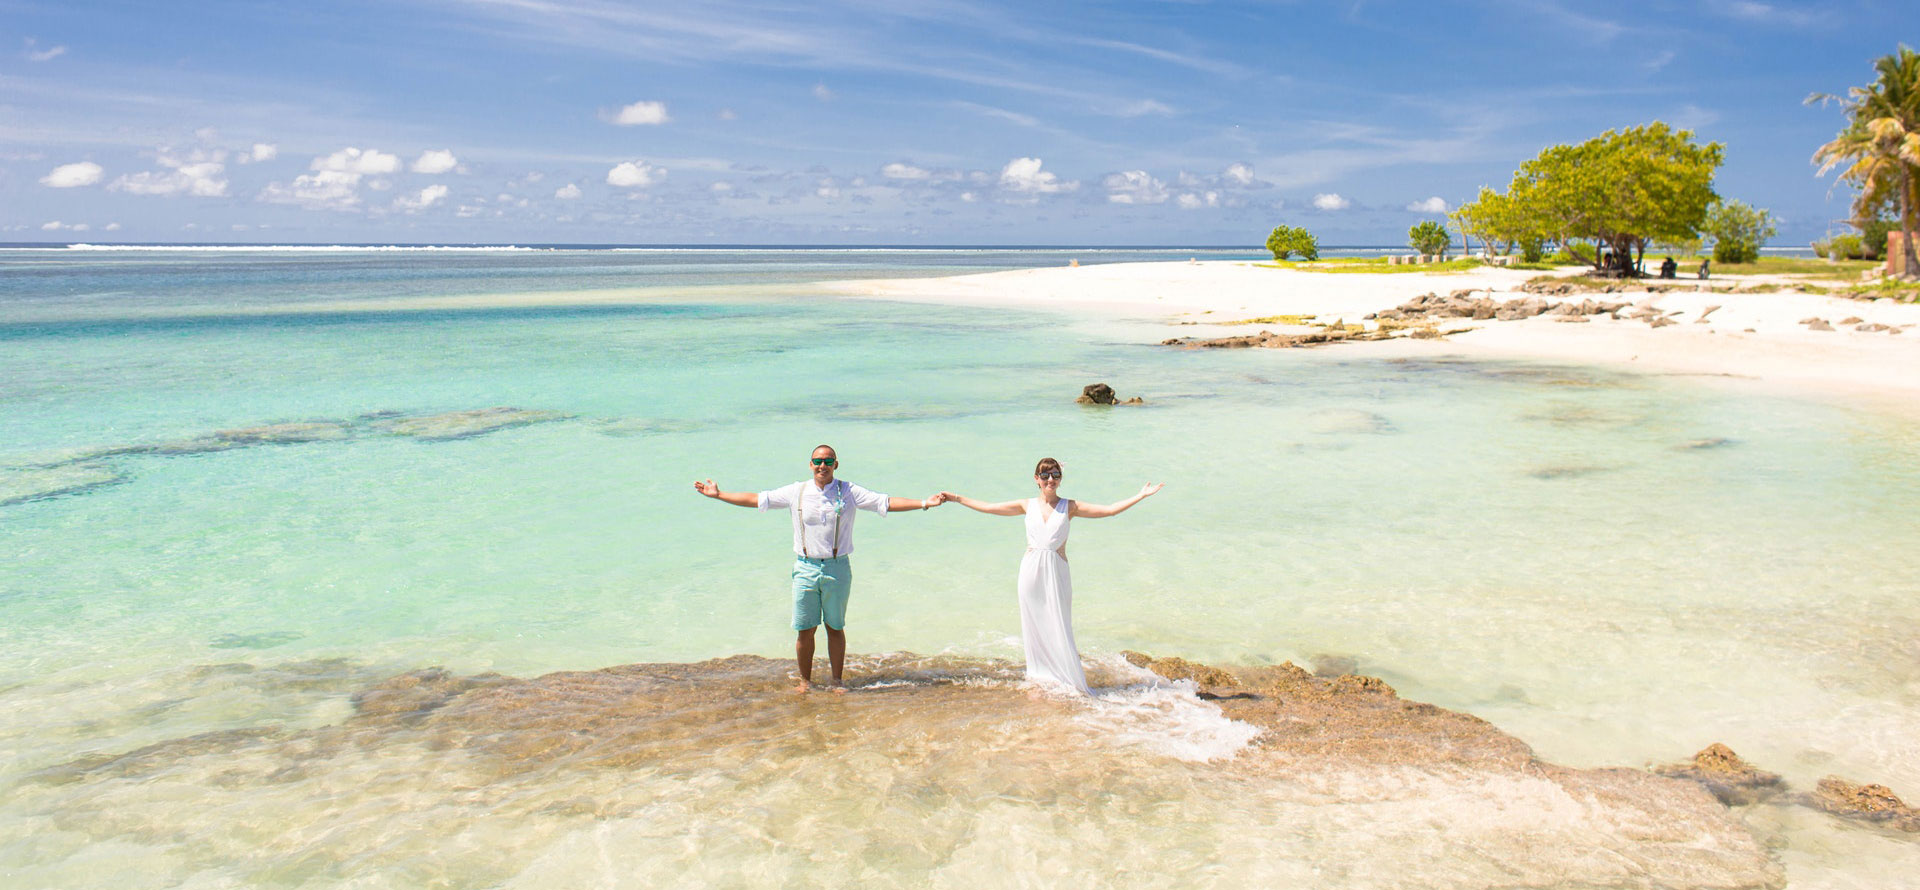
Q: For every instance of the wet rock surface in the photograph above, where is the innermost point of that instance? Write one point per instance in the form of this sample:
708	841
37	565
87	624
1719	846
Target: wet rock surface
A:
925	754
466	424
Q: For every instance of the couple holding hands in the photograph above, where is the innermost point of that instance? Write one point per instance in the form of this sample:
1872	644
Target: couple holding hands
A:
823	510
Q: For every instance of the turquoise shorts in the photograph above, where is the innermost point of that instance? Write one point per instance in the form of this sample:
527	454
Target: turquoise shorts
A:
820	588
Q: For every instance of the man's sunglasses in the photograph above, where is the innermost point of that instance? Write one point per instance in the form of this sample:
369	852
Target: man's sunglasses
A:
825	462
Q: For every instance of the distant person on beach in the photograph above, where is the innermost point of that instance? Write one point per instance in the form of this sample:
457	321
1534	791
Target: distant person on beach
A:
1669	268
1704	269
822	509
1046	587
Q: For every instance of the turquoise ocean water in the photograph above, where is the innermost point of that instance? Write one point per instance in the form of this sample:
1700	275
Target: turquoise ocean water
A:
1617	568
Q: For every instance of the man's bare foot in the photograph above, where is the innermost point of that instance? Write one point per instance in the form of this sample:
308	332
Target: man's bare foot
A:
804	688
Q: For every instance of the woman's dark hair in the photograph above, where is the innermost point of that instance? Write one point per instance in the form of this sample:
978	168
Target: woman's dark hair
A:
1045	464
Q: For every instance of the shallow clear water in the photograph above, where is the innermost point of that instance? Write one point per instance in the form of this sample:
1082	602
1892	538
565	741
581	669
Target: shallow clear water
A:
1617	568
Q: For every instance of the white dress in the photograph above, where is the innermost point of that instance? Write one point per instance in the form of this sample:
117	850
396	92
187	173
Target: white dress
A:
1046	600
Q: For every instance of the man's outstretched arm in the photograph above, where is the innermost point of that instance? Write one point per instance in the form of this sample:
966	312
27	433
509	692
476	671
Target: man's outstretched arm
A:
736	498
895	505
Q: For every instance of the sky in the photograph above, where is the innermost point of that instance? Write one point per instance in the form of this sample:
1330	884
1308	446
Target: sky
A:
879	121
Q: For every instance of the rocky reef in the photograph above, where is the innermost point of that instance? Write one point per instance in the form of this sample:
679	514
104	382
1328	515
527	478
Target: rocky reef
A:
81	471
930	767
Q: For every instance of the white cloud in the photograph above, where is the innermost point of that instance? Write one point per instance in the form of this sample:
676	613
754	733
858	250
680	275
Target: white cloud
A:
325	190
635	174
427	197
199	173
435	161
56	226
1331	202
969	197
726	114
640	114
821	92
357	162
1134	187
1238	174
43	55
261	151
1144	107
904	171
1191	201
1431	205
1025	175
720	188
68	176
827	191
567	192
113	227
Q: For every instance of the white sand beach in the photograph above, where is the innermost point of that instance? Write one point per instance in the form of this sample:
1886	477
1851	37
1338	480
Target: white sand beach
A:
1755	336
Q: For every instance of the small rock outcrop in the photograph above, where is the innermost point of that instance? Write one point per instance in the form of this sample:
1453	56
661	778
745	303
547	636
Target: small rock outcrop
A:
1869	803
1731	779
1102	394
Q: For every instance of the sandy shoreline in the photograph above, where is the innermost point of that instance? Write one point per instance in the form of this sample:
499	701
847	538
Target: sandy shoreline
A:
1752	336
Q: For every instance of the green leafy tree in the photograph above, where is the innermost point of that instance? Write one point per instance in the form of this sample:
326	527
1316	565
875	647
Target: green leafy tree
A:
1429	238
1738	231
1497	219
1286	240
1621	190
1879	150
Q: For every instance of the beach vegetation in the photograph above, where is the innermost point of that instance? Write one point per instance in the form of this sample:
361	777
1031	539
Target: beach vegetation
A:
1429	238
1878	152
1620	191
1286	241
1738	231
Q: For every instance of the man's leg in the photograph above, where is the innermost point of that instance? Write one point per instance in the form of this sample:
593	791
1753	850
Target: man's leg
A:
836	656
806	618
803	656
836	583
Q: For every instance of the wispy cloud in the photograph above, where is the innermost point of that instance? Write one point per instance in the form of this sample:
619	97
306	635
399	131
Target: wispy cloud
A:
35	54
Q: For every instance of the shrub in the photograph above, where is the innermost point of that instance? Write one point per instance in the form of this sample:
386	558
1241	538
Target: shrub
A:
1738	231
1849	247
1873	237
1533	250
1429	238
1288	240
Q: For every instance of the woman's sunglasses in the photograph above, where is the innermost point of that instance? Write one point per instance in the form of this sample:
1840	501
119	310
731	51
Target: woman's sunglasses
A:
1050	474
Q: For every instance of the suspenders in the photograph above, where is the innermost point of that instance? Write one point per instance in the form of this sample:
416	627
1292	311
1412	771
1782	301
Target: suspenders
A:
839	516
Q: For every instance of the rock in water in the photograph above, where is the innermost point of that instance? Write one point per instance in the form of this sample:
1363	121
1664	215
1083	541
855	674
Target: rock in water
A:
465	424
1870	803
1097	394
1342	421
1734	781
22	484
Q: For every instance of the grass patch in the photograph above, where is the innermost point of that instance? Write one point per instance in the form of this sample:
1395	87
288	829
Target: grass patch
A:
1848	270
1904	291
1377	266
1276	319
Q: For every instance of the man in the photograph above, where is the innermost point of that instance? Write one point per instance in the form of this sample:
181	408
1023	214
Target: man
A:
823	511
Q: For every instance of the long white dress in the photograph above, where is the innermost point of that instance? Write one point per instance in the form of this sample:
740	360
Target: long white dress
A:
1046	600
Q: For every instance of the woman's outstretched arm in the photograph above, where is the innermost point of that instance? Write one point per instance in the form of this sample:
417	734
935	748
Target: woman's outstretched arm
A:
1102	511
1004	508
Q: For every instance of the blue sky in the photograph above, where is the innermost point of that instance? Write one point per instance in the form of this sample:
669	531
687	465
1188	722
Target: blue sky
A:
902	122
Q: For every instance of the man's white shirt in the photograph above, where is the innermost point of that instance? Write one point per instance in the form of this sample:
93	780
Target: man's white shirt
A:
821	512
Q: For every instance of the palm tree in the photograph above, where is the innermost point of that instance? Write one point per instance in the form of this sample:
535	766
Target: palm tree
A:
1880	148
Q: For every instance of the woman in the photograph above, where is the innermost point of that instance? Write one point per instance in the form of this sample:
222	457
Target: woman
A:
1046	587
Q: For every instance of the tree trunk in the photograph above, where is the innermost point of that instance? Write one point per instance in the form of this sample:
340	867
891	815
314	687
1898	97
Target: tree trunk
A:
1906	222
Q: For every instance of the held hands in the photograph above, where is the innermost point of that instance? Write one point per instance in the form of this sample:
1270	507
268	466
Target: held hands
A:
936	500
